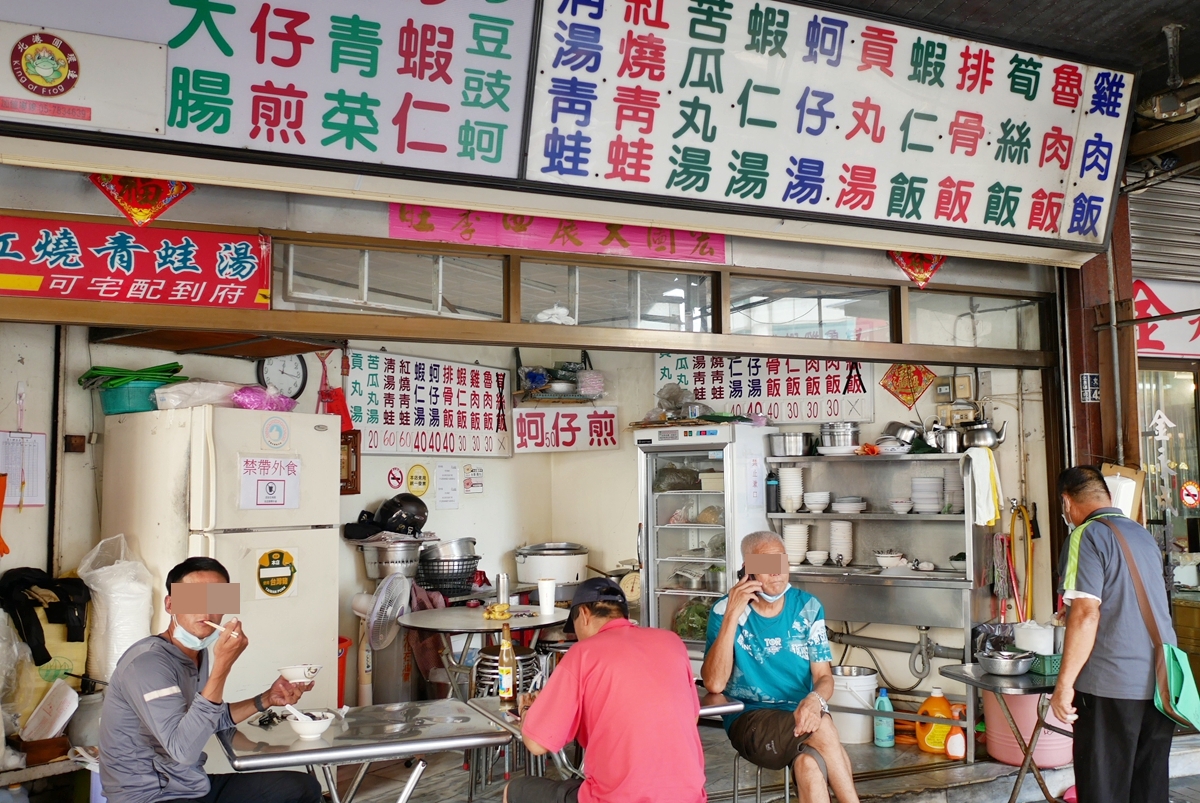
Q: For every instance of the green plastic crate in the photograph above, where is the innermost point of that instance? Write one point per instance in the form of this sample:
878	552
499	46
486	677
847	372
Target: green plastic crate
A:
1046	665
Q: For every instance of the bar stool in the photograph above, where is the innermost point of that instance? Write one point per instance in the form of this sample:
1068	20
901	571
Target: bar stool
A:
787	781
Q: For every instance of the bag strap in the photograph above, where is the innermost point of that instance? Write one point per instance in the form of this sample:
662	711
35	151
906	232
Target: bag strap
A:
1138	587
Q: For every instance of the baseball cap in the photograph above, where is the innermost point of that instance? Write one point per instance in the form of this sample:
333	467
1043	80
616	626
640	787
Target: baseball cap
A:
595	589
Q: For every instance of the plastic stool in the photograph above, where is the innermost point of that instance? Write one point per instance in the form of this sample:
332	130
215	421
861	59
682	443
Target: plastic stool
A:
787	781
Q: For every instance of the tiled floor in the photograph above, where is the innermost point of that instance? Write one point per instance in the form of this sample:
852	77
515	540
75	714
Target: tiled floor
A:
1186	790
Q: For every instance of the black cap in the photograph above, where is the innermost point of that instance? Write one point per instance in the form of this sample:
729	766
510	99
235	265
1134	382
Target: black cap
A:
595	589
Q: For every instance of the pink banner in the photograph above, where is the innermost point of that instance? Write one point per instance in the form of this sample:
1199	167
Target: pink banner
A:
439	225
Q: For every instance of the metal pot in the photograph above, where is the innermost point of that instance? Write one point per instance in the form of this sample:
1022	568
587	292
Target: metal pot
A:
901	432
564	561
791	444
449	550
842	433
949	441
982	434
391	557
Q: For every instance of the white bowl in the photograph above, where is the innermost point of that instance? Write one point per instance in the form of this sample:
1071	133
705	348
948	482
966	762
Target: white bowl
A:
817	558
816	508
300	673
901	509
889	561
958	565
311	728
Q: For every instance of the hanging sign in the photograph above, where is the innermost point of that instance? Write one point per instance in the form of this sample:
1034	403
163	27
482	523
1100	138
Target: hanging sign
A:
440	225
779	106
105	262
269	482
1177	337
140	199
918	267
431	85
419	405
907	382
786	390
565	429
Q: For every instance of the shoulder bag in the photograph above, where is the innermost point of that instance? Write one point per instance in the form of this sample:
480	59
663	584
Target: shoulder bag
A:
1174	687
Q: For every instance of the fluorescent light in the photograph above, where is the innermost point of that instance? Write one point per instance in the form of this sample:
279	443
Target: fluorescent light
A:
675	292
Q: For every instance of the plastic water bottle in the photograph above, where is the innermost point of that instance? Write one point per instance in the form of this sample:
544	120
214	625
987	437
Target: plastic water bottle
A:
885	727
14	794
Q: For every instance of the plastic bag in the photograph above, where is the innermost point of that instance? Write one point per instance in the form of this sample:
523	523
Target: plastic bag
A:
256	397
26	691
670	478
122	603
9	654
196	392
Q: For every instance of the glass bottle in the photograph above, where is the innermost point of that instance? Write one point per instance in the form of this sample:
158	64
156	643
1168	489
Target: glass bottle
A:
506	686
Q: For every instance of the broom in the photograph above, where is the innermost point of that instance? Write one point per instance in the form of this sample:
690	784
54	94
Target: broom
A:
1000	585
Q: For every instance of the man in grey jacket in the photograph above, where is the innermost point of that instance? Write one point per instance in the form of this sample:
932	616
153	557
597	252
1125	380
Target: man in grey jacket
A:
166	698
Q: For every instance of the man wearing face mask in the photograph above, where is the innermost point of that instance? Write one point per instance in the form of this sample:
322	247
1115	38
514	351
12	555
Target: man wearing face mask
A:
767	646
166	698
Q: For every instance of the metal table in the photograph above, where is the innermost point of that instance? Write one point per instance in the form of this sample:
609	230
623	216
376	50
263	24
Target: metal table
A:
973	675
367	734
448	621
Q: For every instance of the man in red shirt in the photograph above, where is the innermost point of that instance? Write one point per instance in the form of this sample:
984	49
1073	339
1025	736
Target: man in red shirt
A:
626	693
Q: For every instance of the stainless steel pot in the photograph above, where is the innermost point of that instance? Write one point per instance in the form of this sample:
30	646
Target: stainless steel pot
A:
901	432
448	550
949	440
791	444
391	557
840	433
982	434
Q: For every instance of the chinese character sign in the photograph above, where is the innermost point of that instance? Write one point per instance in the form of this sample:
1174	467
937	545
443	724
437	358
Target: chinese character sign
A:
107	262
440	225
787	390
433	85
420	405
1177	337
772	104
564	429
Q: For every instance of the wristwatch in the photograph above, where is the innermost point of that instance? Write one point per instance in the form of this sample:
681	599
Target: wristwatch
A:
259	707
821	700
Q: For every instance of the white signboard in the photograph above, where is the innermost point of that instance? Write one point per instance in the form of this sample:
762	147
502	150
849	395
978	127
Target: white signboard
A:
269	482
786	390
445	477
419	405
432	85
783	106
1178	337
565	429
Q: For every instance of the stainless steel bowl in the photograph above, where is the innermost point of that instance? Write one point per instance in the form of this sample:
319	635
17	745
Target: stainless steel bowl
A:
791	444
901	431
995	665
448	550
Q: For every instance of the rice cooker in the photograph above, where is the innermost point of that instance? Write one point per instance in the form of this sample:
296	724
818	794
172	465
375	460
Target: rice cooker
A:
562	560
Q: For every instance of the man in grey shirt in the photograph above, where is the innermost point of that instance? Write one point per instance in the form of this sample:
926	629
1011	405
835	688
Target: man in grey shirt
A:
164	701
1122	742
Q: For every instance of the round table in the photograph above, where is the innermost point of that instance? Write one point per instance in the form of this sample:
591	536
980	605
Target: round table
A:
459	619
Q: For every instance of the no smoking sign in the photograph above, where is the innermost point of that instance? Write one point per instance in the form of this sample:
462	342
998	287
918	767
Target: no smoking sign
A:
1190	494
395	477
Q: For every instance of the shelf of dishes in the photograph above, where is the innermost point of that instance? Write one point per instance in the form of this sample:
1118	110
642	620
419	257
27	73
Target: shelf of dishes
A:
854	458
690	559
872	516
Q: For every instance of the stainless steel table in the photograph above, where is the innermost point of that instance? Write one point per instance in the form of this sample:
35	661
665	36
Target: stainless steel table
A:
367	734
448	621
973	676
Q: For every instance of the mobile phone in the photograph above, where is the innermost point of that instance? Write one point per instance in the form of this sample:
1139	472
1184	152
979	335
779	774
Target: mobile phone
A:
741	573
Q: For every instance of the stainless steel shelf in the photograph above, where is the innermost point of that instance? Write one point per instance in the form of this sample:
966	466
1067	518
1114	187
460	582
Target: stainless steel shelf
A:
687	493
690	526
692	559
872	516
850	458
687	592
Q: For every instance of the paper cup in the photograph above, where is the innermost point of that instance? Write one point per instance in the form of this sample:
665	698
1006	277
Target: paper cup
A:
546	596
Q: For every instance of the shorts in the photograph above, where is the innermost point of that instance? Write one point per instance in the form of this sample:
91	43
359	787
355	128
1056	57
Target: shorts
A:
543	790
766	738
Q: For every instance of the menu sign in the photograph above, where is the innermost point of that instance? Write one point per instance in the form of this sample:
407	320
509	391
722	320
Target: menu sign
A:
418	405
787	390
783	106
433	85
565	429
108	262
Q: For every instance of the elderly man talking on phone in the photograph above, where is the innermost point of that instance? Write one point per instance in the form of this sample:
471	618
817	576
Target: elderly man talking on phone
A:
767	646
166	698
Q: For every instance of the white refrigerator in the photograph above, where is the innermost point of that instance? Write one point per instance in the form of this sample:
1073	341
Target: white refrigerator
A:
258	491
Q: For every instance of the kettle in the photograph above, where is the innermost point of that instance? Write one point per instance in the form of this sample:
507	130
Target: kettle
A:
980	433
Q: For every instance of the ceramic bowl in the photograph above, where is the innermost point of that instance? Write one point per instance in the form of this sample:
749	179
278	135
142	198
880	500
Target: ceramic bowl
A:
958	565
889	561
817	557
300	673
311	728
901	508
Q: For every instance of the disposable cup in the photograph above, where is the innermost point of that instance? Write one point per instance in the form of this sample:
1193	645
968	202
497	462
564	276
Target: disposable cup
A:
546	596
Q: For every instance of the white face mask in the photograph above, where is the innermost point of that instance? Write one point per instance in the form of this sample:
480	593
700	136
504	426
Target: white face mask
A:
772	597
191	641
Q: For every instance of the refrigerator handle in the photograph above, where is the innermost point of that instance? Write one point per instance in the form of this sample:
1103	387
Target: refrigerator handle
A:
210	458
210	541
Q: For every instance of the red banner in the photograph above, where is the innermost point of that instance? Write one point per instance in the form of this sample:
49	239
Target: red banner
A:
107	262
141	200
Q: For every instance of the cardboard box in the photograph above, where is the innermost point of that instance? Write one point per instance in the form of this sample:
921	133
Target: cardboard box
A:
41	751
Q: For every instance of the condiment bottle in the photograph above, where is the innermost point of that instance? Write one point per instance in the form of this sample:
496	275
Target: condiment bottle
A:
773	493
885	727
506	685
930	737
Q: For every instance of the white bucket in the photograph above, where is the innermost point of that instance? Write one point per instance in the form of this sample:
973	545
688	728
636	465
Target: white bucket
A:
854	687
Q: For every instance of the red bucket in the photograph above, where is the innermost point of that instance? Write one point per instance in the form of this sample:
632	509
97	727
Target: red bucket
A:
343	648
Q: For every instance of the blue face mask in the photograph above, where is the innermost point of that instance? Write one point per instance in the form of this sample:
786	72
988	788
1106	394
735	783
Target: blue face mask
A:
191	641
773	598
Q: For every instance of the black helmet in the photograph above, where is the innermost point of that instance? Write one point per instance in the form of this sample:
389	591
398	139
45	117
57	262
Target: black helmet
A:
403	513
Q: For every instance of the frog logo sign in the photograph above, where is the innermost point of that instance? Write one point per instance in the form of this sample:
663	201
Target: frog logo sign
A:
44	64
276	572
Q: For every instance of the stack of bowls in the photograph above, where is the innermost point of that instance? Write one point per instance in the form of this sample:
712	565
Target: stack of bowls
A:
927	494
900	506
795	539
816	501
791	488
849	504
955	495
841	542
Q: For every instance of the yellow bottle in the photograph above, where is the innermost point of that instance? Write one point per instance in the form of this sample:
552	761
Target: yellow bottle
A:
932	738
508	671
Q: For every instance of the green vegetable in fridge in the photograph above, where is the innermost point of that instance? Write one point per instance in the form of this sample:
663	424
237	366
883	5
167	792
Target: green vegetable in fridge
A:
959	556
691	621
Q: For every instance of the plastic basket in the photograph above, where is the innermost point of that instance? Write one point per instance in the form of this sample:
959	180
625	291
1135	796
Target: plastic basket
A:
451	577
132	397
1046	665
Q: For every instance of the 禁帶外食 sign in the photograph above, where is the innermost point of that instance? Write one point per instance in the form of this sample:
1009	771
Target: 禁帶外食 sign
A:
788	107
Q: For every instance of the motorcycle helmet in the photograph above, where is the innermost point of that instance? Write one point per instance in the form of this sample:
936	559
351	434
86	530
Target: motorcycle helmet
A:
403	513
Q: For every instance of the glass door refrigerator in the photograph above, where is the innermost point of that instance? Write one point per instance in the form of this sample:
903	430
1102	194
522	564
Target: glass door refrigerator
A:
702	490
